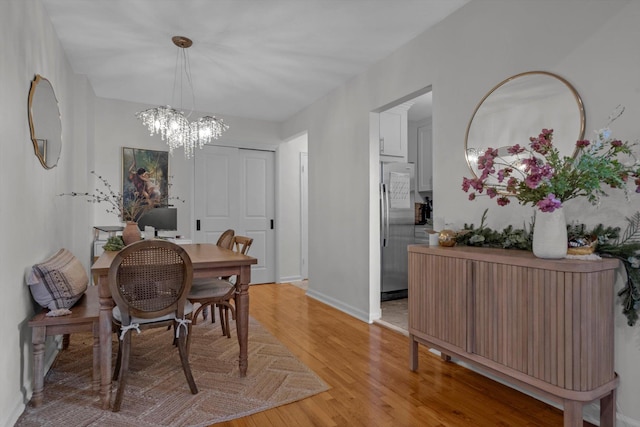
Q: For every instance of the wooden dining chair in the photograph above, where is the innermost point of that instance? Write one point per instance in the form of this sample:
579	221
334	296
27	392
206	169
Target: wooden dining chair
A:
219	292
149	281
226	239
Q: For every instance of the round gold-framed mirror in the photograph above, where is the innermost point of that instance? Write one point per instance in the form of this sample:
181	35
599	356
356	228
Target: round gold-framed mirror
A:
45	122
518	108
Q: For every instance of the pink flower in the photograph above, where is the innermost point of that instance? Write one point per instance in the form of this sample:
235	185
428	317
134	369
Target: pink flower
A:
472	196
504	200
546	171
549	203
533	181
493	152
466	184
515	149
486	160
491	192
486	172
616	143
582	143
542	144
529	163
476	184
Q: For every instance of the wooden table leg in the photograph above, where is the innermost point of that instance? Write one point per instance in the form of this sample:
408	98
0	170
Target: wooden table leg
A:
413	353
572	413
106	304
242	316
95	379
608	410
38	335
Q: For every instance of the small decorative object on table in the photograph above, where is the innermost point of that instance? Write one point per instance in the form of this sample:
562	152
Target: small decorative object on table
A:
447	238
540	176
131	233
582	246
580	241
114	243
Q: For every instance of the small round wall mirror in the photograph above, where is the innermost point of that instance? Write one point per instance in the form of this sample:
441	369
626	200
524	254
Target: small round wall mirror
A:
519	108
44	122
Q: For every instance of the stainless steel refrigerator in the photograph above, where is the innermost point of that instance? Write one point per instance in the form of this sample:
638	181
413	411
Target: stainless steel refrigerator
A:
397	216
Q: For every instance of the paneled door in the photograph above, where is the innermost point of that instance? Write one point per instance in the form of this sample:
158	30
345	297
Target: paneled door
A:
235	188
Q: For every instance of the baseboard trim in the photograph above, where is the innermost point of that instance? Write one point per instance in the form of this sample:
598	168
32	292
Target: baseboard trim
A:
290	279
339	305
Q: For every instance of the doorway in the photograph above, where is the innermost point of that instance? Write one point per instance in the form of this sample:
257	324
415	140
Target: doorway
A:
419	116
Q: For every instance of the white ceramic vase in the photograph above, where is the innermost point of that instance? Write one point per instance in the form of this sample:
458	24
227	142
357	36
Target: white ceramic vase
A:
550	235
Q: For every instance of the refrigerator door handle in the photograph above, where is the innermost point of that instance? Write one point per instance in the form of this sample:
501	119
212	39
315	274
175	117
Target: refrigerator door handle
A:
384	214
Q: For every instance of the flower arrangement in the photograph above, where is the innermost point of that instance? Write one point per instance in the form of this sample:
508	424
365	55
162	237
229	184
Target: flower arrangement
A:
540	176
130	211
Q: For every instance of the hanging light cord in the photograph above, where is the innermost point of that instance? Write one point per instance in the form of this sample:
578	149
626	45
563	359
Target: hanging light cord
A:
183	66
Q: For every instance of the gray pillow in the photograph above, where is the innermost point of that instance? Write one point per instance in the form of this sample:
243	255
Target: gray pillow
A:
58	282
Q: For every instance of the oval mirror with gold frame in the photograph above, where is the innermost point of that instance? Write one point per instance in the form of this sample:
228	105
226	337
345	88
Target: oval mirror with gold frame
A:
520	107
44	122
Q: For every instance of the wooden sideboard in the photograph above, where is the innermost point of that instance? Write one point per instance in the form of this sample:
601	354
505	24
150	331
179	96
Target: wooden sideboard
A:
543	325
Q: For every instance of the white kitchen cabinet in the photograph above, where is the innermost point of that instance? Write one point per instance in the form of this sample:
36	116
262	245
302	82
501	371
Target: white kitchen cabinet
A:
393	132
425	164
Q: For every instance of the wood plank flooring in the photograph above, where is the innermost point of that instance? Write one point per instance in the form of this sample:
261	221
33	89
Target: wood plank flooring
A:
367	367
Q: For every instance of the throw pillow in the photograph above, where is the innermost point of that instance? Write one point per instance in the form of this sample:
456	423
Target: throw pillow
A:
58	282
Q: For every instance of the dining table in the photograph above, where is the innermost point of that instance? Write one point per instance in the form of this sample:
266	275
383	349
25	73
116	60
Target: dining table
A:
208	260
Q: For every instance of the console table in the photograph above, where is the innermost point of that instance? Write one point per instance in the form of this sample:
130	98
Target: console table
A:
544	325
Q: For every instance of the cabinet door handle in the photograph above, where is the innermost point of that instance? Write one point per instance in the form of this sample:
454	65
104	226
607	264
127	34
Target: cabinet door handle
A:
381	144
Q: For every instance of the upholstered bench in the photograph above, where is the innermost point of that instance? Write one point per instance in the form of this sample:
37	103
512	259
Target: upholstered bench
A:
83	318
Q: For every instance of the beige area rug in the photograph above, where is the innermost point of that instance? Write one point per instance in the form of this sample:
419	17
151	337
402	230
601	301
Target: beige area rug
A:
157	393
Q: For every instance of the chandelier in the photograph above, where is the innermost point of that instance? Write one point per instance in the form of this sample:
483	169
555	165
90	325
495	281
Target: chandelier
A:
171	124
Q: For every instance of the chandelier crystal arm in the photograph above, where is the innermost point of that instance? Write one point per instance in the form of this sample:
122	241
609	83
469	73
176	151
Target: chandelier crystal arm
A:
171	124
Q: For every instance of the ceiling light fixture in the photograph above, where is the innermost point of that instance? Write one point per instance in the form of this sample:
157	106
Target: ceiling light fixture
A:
172	125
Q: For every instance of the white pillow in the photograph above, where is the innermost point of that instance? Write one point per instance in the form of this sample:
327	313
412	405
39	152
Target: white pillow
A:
58	282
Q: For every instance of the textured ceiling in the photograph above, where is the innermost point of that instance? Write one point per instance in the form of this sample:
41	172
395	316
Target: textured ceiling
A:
262	59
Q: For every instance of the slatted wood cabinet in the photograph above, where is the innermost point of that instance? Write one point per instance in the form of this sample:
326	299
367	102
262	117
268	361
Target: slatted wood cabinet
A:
543	325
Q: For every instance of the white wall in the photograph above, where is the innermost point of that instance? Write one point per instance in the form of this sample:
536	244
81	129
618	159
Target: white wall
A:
289	212
35	222
591	43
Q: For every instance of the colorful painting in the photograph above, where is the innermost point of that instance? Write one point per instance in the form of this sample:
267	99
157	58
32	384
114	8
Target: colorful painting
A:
145	177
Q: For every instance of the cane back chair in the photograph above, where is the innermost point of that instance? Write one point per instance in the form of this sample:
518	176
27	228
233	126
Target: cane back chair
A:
149	282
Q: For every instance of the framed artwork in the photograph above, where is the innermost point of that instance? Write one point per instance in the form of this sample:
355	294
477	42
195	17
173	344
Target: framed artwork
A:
145	178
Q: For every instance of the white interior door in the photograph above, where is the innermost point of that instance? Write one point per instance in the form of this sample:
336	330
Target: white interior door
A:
235	189
257	210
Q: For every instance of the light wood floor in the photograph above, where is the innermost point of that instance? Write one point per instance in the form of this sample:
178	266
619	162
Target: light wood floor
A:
371	384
